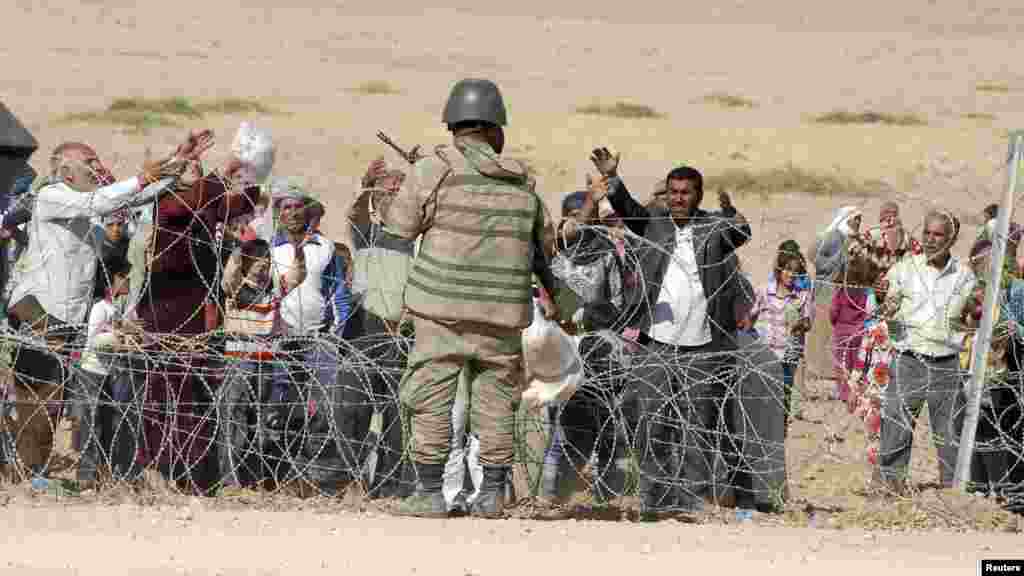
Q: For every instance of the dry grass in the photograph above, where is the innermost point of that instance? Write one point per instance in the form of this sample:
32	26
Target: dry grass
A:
980	116
931	509
992	88
620	110
232	106
845	117
143	114
375	88
789	178
136	121
726	100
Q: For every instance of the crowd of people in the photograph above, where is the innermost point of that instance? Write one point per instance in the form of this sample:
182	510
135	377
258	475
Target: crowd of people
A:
198	322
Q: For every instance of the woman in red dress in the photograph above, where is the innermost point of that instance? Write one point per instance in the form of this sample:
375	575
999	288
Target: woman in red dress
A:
179	303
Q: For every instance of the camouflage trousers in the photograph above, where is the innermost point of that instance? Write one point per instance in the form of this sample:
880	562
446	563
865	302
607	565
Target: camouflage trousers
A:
490	359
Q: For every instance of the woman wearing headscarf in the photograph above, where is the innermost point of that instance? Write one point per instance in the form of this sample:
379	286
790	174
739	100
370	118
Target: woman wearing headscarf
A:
831	246
176	307
829	256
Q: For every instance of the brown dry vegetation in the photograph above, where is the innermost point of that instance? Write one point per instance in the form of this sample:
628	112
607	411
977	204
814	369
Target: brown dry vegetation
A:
376	88
144	114
845	117
726	100
787	180
992	87
620	110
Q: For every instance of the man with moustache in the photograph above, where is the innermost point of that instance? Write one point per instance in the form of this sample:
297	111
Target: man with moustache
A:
684	310
926	297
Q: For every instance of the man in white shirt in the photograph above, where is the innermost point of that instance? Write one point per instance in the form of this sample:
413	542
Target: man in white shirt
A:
56	281
685	313
926	297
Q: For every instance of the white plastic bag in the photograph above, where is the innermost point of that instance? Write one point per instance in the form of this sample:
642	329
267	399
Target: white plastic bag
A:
255	149
553	364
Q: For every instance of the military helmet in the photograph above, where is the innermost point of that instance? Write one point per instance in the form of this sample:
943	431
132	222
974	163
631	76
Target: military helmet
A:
474	99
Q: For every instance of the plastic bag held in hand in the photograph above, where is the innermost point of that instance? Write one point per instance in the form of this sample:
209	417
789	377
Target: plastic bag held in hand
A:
553	365
255	149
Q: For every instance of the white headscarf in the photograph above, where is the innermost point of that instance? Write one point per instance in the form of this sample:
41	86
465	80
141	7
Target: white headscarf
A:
830	248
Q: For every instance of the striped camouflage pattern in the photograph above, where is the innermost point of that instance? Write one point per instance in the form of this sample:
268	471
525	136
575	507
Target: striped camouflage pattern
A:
478	233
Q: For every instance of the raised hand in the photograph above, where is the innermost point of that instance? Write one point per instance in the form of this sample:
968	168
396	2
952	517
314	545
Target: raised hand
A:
724	201
376	170
154	170
196	144
605	162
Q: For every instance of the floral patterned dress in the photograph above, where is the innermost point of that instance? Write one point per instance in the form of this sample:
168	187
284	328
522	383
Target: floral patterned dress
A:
870	376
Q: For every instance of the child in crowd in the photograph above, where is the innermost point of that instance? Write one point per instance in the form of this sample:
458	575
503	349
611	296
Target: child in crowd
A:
870	375
783	313
590	294
104	340
848	313
251	320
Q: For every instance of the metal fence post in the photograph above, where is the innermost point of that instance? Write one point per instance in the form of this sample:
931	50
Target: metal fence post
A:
966	452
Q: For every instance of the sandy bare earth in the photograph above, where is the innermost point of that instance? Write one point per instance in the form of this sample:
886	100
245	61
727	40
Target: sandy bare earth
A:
793	61
305	58
147	541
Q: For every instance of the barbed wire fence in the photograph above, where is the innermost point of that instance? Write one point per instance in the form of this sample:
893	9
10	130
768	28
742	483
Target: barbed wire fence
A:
180	411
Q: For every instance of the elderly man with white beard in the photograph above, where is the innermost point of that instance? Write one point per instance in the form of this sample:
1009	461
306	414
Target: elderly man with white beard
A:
54	290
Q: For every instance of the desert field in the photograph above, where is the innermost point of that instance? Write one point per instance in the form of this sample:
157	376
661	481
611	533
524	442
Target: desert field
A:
797	108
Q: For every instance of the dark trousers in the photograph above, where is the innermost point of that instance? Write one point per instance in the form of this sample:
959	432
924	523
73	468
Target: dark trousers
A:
86	399
997	442
245	389
1011	418
369	381
675	396
39	380
316	408
120	416
590	420
103	406
757	412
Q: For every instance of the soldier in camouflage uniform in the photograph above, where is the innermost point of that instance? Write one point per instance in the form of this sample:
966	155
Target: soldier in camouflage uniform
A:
469	293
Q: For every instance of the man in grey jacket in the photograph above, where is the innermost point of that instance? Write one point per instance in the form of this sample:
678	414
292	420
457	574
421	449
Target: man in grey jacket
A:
684	310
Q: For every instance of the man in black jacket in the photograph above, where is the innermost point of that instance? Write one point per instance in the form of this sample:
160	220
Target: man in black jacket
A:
684	310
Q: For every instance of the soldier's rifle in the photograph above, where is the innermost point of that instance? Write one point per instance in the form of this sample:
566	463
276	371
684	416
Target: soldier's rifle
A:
411	156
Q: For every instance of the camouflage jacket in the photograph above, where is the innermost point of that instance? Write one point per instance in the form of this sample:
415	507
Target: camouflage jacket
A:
481	227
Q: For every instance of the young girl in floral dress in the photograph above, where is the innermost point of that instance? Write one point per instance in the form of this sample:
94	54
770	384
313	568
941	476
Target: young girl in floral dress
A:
870	376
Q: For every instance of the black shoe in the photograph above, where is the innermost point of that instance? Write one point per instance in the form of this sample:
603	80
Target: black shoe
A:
491	502
428	500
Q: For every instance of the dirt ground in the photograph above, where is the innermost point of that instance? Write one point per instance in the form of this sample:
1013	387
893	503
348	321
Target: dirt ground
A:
42	535
334	73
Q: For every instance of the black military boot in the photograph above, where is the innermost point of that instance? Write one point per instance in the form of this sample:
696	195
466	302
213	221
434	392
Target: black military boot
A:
491	501
428	500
